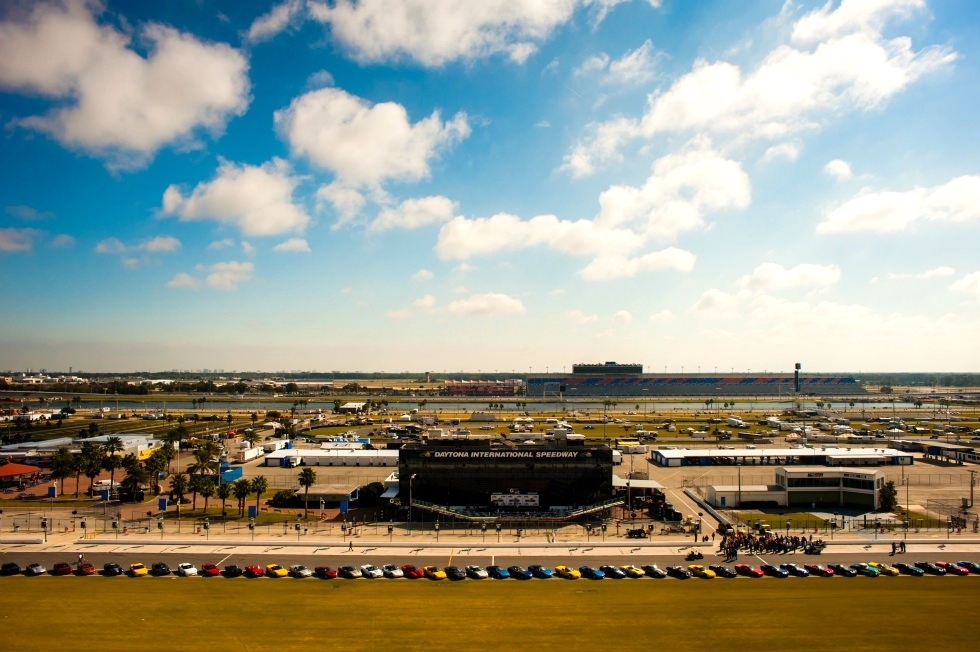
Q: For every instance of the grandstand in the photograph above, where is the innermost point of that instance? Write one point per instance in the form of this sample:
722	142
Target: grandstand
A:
699	385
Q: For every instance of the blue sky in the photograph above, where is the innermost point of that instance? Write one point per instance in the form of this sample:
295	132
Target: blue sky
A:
391	185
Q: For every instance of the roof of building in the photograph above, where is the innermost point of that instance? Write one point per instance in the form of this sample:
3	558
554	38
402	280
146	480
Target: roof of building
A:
748	487
837	453
11	469
318	452
636	483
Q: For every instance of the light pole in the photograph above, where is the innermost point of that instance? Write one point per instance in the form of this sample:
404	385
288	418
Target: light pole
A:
411	479
483	526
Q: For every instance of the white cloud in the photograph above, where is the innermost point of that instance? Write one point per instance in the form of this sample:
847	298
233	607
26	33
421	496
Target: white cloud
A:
938	272
792	90
182	280
969	284
227	276
428	301
163	244
715	303
773	276
160	245
110	246
63	241
788	151
247	249
347	201
594	63
487	305
459	289
120	104
580	317
436	32
415	213
544	124
613	266
463	268
221	244
365	144
17	240
622	317
346	290
292	245
421	305
256	199
634	67
423	275
955	201
662	316
838	169
852	16
278	19
28	213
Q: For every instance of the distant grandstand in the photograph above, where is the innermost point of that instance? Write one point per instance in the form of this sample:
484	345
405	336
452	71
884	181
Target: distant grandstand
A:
607	368
719	386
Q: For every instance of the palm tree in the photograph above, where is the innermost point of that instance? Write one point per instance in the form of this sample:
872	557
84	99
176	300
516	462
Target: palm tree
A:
156	464
195	484
62	466
92	458
78	465
178	485
241	489
307	478
223	491
136	477
207	490
259	485
252	437
110	463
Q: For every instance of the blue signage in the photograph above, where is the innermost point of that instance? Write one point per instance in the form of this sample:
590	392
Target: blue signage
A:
52	491
251	511
343	507
162	504
105	495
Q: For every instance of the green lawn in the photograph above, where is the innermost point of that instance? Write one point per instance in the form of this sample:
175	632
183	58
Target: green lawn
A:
286	614
778	521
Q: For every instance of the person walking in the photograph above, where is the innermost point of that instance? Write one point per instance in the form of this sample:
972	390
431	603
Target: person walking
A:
351	546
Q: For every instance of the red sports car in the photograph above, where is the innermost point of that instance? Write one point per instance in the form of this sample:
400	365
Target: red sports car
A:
951	568
210	570
254	571
817	569
325	572
61	568
748	570
412	572
86	568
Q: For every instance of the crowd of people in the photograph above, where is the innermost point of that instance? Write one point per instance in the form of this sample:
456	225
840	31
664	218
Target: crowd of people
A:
770	542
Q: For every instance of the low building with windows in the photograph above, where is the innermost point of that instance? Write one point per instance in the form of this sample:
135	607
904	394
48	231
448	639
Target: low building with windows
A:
806	487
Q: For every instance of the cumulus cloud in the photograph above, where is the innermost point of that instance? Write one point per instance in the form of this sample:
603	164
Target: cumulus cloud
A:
788	151
182	280
487	305
163	244
63	241
347	202
613	266
278	19
956	201
221	244
715	303
365	144
969	284
118	103
421	305
415	213
256	199
622	317
937	272
227	276
423	275
773	276
17	240
662	316
292	245
28	213
634	67
838	169
436	32
580	317
843	66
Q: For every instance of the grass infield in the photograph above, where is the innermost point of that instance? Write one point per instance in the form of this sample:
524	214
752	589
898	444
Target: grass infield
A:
213	614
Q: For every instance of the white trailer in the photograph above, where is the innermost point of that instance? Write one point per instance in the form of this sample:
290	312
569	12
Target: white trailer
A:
249	454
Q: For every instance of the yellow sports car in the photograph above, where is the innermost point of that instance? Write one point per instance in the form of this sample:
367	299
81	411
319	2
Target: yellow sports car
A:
700	571
884	569
434	572
138	570
632	571
275	570
568	573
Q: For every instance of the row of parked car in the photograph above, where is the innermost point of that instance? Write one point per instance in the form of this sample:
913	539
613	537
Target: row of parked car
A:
391	571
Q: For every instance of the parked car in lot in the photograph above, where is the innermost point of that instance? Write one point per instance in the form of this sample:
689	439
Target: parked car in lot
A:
774	571
632	571
930	568
35	569
748	570
654	571
112	569
9	568
971	566
567	573
884	569
186	569
721	570
61	568
209	569
434	573
411	572
909	569
540	572
477	572
254	571
371	572
349	572
391	571
865	569
612	572
794	570
138	570
454	573
818	570
299	571
679	572
951	568
590	573
86	568
842	571
233	571
275	570
160	569
325	572
519	573
498	572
